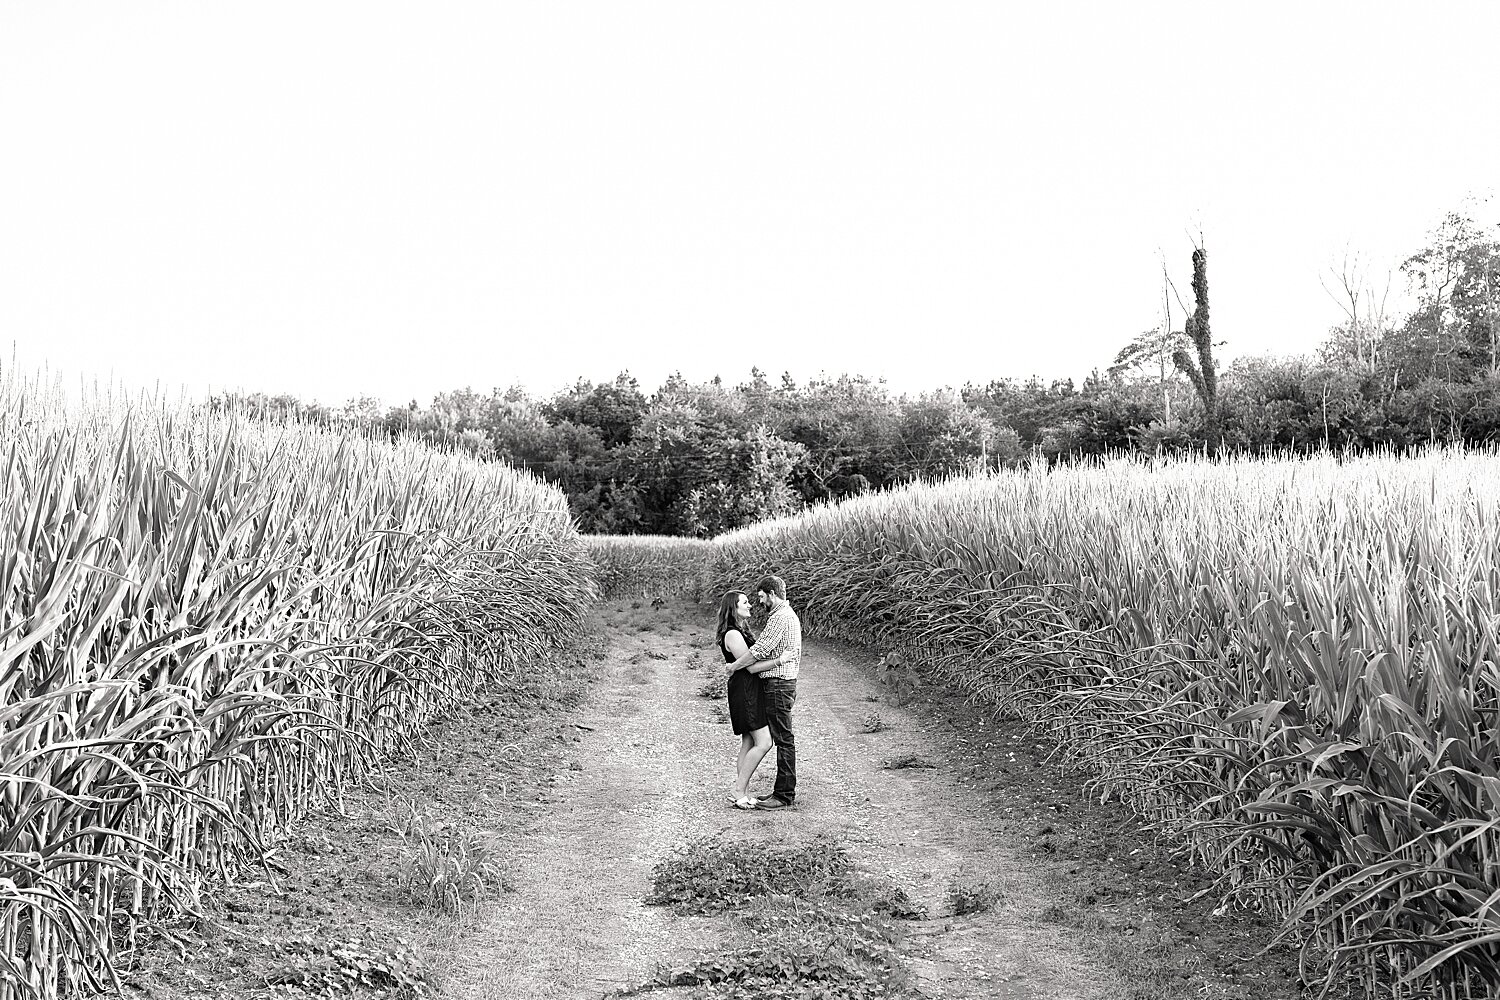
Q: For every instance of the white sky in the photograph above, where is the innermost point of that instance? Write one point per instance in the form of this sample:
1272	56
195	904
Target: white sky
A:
329	199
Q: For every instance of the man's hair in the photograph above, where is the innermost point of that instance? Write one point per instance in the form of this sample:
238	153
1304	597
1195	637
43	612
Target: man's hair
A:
772	585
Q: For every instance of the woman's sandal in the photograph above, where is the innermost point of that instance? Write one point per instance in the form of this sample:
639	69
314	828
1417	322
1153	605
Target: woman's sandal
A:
745	803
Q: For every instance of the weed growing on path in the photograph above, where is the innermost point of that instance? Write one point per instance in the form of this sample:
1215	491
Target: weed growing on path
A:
654	655
809	924
872	723
717	686
712	874
801	951
878	894
448	872
967	896
905	761
719	712
899	675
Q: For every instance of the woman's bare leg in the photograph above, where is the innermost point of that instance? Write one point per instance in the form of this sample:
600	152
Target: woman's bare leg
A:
759	744
746	745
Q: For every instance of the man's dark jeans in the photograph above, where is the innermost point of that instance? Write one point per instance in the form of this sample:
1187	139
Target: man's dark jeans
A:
781	695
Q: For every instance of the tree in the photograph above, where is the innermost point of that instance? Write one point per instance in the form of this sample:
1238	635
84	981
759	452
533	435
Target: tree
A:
1454	278
1202	374
457	411
848	426
613	408
1155	349
939	434
1364	312
1118	414
1265	406
1473	299
703	476
1152	350
1027	407
751	485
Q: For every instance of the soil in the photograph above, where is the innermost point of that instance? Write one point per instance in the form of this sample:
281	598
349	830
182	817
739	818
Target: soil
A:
582	777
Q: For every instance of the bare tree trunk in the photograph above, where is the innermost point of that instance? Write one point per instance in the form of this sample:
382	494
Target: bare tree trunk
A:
1489	296
1166	338
1325	417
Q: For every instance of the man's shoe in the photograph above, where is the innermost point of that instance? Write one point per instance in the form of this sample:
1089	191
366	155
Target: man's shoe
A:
772	802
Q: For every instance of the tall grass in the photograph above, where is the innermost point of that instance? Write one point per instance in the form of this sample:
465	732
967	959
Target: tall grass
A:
208	626
1291	665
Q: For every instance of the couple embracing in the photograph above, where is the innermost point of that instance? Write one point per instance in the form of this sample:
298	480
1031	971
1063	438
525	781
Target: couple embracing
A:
762	688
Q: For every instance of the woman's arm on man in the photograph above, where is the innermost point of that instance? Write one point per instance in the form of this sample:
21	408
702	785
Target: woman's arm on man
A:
771	640
761	666
744	660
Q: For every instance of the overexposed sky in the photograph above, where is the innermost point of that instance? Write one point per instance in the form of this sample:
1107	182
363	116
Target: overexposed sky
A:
396	199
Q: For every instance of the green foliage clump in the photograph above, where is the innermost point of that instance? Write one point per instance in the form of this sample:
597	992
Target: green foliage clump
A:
906	761
967	896
447	871
803	951
899	675
713	874
308	966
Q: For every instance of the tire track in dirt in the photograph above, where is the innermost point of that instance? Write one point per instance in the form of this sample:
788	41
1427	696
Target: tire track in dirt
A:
577	926
924	829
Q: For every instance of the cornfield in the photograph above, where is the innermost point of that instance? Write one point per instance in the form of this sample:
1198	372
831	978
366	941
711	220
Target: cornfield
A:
209	626
651	565
1290	666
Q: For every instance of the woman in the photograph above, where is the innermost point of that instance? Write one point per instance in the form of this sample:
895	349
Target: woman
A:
747	710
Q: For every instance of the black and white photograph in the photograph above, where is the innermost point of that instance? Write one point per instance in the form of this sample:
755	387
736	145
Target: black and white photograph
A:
527	500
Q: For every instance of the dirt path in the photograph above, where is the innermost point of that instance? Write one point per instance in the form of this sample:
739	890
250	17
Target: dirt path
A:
655	770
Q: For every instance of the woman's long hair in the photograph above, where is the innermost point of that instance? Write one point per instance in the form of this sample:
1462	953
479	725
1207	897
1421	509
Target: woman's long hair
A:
727	620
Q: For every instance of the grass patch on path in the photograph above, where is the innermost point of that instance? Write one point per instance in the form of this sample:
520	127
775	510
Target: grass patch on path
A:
807	923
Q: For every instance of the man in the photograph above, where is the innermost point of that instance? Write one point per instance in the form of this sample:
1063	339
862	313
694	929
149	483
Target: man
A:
780	644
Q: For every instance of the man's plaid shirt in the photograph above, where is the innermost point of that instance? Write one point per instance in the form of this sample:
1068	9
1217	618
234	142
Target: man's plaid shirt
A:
783	634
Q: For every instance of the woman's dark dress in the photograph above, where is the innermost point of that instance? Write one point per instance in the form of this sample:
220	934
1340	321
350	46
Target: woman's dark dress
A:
747	702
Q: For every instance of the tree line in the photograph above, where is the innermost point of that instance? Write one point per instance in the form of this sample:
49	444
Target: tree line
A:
702	458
